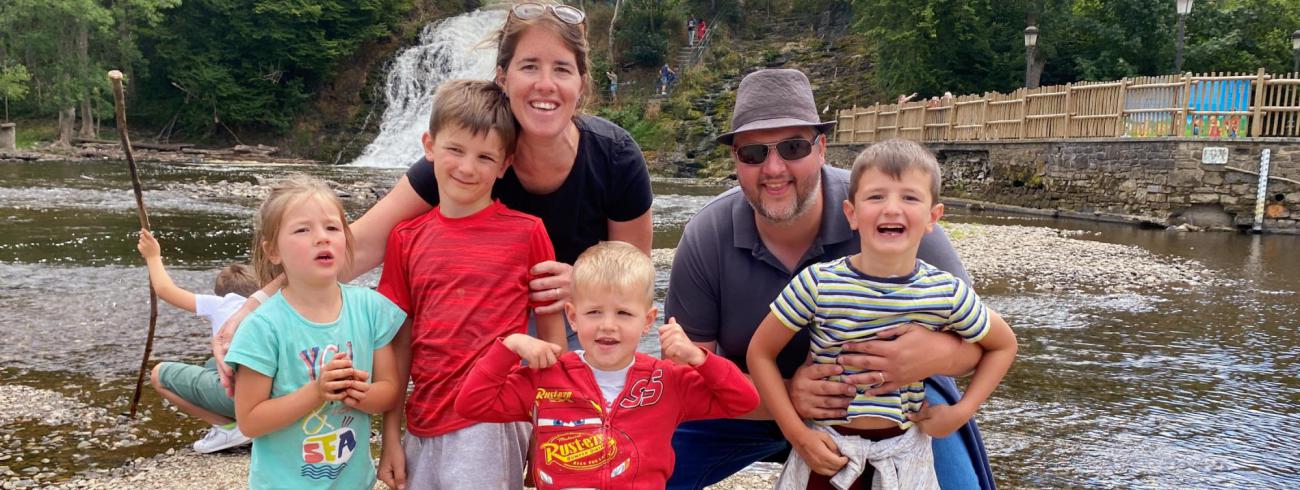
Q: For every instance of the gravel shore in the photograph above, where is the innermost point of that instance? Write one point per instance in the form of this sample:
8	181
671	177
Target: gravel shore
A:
1016	257
187	469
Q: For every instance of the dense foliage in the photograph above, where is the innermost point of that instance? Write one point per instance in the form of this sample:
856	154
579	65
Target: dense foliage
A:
216	67
204	64
972	46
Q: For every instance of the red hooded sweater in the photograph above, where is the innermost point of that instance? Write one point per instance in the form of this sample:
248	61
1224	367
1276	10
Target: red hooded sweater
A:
577	441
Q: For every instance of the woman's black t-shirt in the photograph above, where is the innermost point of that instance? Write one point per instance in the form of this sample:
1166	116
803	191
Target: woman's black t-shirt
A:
609	181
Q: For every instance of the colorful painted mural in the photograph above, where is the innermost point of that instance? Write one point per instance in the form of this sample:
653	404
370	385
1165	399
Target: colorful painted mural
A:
1211	106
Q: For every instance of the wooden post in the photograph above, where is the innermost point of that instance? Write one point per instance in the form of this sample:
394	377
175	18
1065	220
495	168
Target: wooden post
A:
1119	112
1257	115
950	116
1185	104
1069	89
1024	110
984	117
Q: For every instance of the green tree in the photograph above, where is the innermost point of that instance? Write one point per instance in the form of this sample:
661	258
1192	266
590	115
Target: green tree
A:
225	64
52	38
13	84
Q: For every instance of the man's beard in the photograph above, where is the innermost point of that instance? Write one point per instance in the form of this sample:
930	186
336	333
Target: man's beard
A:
806	195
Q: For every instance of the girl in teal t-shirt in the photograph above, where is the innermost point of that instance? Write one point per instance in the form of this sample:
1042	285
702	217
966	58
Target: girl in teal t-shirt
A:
313	362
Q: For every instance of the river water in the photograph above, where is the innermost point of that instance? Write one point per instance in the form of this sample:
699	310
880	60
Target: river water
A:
1159	388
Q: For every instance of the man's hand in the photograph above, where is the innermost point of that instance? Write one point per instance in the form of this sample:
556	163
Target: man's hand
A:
819	451
939	420
540	354
676	347
915	353
553	285
814	397
392	464
147	245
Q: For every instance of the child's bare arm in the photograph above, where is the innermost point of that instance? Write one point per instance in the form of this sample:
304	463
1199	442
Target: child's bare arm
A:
392	459
158	276
550	327
258	414
999	346
816	448
379	394
221	340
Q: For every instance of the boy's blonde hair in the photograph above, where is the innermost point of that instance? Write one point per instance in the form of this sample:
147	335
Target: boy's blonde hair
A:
236	278
893	157
270	216
615	265
475	105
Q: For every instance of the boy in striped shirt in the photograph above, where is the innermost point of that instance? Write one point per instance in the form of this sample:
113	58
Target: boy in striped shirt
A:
894	202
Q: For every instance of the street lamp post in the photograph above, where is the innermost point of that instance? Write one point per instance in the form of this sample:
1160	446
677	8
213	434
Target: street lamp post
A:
1295	47
1183	6
1031	44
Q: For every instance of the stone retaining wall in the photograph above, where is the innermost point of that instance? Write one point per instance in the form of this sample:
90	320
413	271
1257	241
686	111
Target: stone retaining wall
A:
1156	179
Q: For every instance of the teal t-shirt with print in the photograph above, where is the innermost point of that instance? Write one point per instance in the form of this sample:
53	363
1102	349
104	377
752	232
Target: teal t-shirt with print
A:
329	447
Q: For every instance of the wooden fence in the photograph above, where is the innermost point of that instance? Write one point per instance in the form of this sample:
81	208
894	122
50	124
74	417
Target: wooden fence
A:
1209	105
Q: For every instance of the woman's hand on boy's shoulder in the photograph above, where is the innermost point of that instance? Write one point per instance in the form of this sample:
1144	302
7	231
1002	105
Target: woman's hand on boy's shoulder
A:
551	285
540	354
677	347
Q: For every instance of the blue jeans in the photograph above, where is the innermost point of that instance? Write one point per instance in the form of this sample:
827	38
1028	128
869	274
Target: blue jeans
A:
709	451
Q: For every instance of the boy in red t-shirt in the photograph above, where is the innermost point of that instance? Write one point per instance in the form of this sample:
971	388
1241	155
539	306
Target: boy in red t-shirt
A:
461	273
604	416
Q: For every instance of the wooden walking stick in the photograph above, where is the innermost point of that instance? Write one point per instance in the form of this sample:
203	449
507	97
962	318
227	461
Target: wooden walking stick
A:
119	102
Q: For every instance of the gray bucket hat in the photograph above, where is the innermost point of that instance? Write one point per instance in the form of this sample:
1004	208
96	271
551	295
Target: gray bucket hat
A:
769	99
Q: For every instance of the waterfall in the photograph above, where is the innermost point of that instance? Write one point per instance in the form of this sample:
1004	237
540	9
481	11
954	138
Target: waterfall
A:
446	51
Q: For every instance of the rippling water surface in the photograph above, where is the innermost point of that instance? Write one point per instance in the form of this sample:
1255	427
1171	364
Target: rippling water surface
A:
1160	388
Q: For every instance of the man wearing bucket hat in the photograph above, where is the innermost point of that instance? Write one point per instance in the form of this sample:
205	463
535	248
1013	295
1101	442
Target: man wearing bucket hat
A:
740	251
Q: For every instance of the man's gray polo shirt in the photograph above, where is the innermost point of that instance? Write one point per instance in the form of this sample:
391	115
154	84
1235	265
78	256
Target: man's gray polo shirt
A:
724	277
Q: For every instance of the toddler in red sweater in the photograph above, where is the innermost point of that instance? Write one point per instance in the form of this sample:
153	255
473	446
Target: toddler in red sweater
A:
603	417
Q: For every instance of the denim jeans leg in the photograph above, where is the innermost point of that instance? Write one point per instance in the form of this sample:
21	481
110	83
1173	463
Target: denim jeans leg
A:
709	451
952	462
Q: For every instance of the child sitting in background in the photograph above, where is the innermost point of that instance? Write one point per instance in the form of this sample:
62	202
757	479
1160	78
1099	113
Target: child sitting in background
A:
603	417
313	362
894	201
197	390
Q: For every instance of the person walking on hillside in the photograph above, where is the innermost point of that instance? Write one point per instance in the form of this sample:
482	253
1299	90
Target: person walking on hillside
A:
690	31
701	28
666	78
613	84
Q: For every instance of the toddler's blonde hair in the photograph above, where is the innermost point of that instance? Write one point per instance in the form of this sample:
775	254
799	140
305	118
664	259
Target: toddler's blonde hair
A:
615	265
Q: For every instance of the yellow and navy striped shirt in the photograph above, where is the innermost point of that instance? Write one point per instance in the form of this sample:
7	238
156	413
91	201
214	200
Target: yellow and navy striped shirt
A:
839	304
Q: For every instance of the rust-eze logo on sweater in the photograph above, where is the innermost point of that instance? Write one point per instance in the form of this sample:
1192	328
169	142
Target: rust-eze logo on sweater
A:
579	451
560	396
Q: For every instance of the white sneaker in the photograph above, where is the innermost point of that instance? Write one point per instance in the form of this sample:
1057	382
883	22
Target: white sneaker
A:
219	438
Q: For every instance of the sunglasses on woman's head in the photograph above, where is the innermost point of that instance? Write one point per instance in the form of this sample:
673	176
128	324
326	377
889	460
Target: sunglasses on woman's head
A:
566	14
791	149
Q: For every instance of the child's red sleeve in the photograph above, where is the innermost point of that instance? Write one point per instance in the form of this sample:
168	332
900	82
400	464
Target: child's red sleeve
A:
539	250
497	389
392	282
716	389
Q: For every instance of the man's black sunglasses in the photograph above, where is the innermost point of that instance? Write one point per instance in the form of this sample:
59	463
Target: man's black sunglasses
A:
791	149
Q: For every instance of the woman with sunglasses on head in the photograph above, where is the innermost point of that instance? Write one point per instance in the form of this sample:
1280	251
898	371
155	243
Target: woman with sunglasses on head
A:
583	176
